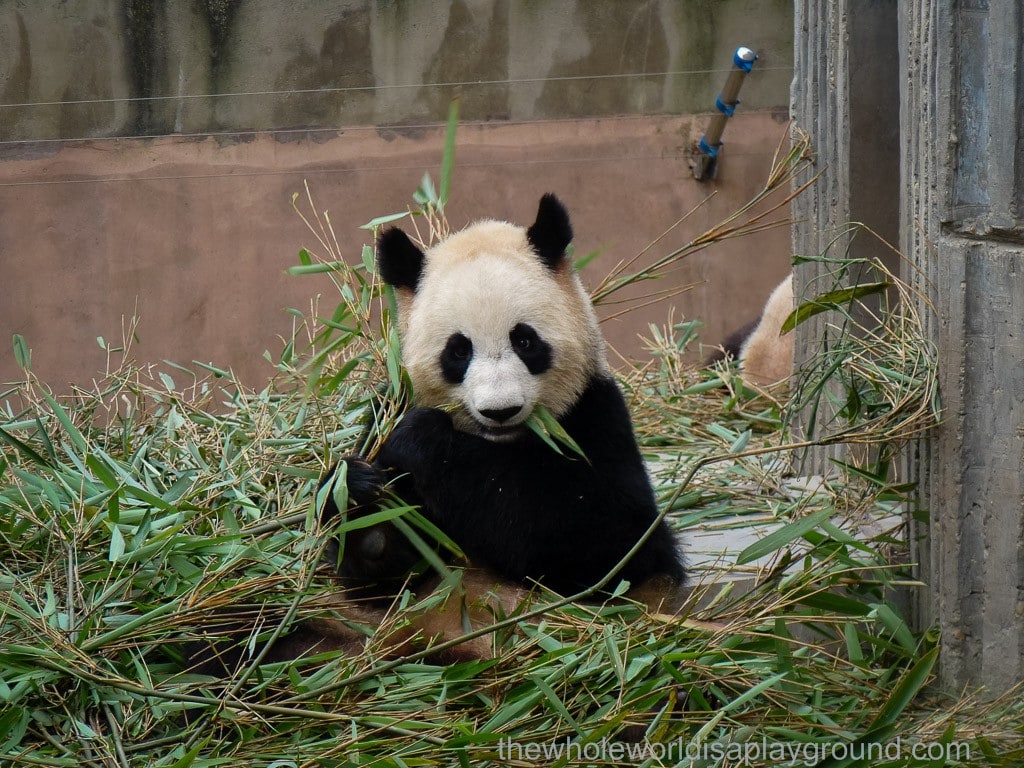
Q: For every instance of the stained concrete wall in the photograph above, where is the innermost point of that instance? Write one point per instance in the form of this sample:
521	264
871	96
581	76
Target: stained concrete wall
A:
227	65
963	226
149	151
846	97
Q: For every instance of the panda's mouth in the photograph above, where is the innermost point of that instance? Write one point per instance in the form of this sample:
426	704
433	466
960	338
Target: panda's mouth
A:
499	424
500	434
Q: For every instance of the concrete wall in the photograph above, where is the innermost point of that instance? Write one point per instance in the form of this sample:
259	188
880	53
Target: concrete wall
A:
846	97
963	226
149	150
226	65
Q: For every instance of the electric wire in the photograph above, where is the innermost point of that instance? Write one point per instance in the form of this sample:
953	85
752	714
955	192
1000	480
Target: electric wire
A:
348	170
341	129
377	87
381	128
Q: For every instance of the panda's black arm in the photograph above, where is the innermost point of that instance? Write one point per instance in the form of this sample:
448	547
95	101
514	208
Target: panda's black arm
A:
372	562
621	505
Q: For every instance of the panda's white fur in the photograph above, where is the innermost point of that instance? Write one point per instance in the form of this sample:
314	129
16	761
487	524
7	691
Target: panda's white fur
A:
766	356
481	282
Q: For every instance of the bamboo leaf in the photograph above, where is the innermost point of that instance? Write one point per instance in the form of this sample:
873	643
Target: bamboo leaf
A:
77	438
448	158
853	649
316	269
832	300
23	447
896	625
189	758
116	545
881	727
428	552
339	487
584	261
380	221
544	424
368	261
22	354
736	703
535	426
555	702
787	534
425	195
740	444
373	518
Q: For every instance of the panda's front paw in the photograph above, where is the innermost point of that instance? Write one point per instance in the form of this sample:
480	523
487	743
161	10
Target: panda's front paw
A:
375	561
363	480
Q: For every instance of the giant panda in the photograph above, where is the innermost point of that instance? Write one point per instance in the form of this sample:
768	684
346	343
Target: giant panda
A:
495	323
764	353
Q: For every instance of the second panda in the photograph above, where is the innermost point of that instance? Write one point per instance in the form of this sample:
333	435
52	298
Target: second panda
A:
494	322
763	351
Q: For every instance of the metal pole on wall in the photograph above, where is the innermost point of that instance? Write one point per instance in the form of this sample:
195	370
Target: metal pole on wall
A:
705	156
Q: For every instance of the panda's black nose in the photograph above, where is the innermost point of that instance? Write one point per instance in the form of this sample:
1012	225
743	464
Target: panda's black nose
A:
500	415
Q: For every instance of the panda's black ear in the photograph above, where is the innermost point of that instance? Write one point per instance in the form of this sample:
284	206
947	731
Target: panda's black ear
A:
551	233
399	261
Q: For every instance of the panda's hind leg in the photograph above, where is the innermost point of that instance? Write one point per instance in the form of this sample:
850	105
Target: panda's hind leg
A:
478	600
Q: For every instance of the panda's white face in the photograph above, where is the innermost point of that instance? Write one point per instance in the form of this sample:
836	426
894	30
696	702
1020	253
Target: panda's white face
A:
493	335
492	330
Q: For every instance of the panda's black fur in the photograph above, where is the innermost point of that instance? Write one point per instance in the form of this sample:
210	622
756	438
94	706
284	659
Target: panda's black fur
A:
516	506
372	562
730	347
520	508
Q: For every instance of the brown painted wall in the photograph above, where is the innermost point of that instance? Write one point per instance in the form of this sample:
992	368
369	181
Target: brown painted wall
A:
198	234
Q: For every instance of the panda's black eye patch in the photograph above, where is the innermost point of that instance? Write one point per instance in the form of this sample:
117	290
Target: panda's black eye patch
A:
530	348
455	357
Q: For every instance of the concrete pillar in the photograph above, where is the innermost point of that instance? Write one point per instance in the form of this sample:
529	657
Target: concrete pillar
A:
845	95
962	217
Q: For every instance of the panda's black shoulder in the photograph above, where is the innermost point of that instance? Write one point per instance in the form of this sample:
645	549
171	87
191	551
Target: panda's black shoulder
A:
600	411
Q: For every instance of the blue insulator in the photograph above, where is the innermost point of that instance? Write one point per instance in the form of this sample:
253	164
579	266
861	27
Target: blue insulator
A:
706	148
725	109
744	58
